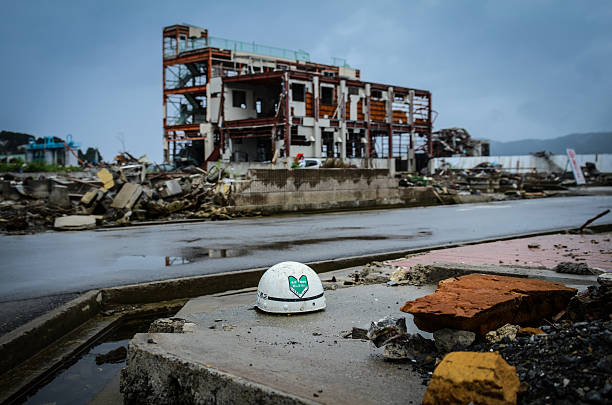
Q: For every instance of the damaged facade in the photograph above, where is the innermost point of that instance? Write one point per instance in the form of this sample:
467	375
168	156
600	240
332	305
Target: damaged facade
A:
53	150
458	142
245	102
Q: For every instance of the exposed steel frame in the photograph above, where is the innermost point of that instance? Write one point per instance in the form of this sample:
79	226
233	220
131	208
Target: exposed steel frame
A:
306	71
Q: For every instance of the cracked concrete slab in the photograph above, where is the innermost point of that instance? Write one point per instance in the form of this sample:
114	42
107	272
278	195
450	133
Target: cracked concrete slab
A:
240	355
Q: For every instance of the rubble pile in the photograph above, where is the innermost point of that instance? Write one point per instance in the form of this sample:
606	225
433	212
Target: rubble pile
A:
566	360
116	195
490	177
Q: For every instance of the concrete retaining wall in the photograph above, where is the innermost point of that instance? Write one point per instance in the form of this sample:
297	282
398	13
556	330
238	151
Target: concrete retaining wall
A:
276	190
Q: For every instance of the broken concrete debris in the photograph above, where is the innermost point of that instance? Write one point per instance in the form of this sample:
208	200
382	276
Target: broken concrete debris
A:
386	329
114	195
75	222
507	332
481	303
106	177
408	347
127	196
469	377
595	302
564	361
172	188
59	197
171	325
450	339
575	268
489	177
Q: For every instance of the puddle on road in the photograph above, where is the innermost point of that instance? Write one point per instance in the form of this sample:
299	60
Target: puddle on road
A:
191	254
133	261
82	379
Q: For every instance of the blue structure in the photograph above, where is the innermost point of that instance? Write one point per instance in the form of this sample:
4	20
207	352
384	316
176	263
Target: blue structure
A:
52	151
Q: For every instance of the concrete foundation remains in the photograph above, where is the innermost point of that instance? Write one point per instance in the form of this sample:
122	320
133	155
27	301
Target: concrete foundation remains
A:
274	359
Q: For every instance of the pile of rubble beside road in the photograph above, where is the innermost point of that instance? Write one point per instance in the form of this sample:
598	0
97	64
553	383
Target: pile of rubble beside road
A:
507	340
489	177
113	196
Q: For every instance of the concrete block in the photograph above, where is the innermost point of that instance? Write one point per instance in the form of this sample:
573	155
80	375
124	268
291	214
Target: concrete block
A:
107	178
447	339
172	188
74	222
481	303
468	377
60	197
37	188
127	196
8	191
92	196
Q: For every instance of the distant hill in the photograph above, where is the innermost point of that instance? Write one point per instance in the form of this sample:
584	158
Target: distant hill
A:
594	142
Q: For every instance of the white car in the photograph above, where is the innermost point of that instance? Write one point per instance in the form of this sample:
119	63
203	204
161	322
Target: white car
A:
311	163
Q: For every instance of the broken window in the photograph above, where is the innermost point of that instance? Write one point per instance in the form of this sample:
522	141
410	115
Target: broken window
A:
354	147
329	149
296	138
376	94
327	95
298	91
239	98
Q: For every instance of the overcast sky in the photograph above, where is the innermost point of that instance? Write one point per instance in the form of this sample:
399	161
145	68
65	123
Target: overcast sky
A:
505	70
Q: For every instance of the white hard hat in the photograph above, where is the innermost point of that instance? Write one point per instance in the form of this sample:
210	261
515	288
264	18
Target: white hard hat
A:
290	287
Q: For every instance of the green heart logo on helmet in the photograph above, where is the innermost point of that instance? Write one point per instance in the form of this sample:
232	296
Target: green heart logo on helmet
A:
298	287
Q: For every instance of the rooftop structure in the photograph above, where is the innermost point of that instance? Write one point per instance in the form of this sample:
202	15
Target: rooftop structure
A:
241	101
53	150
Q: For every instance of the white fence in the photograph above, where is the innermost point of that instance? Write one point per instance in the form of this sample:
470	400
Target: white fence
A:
525	163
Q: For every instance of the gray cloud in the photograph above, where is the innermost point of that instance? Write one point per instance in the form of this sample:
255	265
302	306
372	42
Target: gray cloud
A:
503	70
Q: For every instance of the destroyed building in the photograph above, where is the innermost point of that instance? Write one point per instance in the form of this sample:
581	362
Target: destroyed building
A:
53	150
458	142
245	102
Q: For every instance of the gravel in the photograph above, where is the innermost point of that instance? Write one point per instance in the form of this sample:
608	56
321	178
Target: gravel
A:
570	364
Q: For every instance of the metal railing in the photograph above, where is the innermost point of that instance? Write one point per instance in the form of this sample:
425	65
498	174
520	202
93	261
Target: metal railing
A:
240	46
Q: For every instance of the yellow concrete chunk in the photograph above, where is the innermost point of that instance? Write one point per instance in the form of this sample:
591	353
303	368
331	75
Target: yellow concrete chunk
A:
107	178
481	378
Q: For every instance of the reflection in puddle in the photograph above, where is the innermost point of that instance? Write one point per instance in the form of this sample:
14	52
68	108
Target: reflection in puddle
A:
138	261
191	254
133	261
174	261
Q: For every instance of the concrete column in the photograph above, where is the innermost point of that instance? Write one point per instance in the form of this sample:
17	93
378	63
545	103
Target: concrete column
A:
390	97
315	109
342	116
366	115
287	115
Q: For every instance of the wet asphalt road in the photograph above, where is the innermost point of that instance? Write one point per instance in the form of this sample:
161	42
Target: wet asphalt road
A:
65	262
